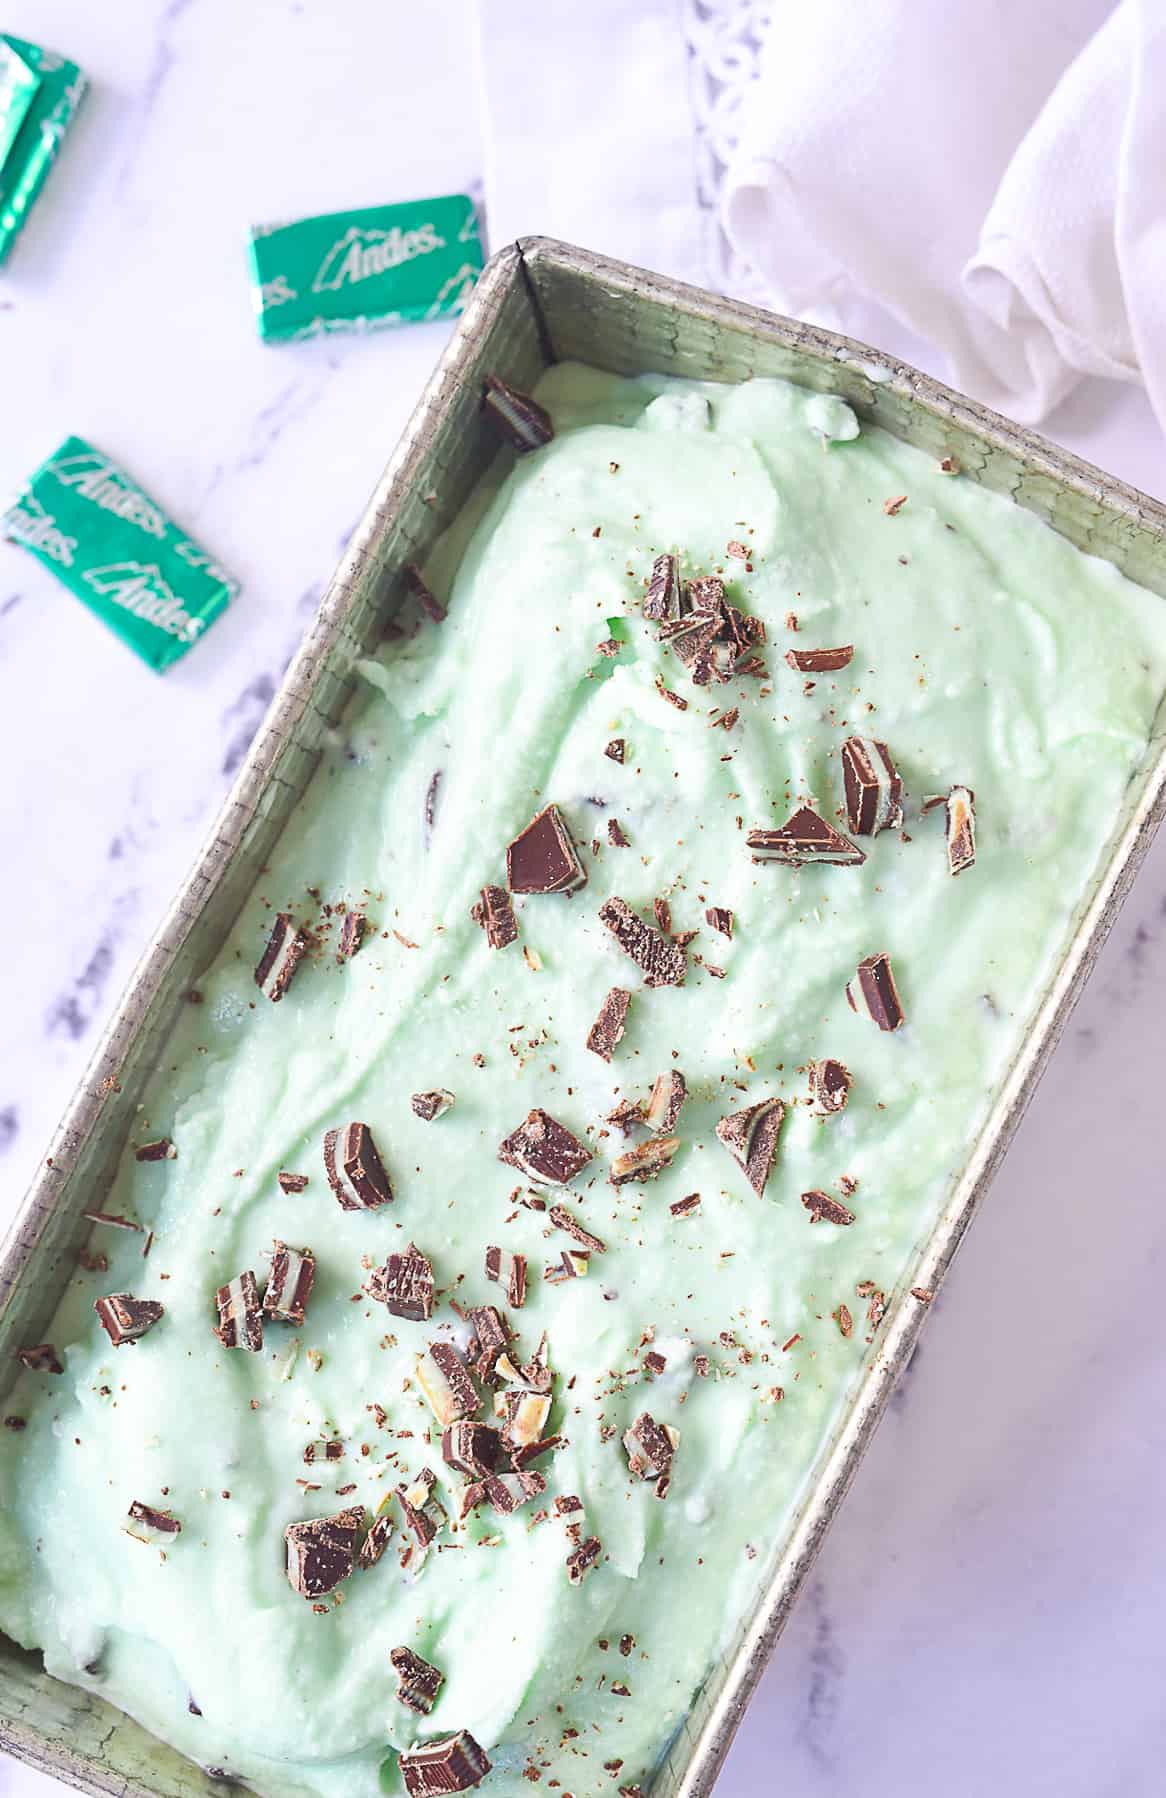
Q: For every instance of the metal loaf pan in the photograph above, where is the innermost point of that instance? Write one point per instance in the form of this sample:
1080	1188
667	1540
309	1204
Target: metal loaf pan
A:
540	302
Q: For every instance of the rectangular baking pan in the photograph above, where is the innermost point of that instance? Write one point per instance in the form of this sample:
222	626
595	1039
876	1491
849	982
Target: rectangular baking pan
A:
539	302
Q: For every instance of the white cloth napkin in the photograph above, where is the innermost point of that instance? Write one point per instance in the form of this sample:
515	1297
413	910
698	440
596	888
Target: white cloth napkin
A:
992	172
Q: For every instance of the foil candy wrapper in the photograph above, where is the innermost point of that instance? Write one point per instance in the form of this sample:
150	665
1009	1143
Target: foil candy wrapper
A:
39	94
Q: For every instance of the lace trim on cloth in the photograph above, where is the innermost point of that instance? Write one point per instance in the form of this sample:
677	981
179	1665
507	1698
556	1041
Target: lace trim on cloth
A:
724	40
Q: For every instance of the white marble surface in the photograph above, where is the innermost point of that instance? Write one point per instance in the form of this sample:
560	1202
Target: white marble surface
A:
986	1614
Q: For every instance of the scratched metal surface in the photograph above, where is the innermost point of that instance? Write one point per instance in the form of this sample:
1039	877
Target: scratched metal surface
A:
541	301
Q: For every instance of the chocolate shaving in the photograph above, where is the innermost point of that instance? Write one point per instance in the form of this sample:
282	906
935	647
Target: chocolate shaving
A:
125	1318
616	835
820	1205
662	963
405	1284
453	1764
830	1084
563	1220
423	593
355	1171
161	1150
445	1382
665	1102
42	1357
418	1683
616	749
874	791
804	837
321	1552
525	425
508	1271
471	1447
874	994
430	1105
240	1324
543	858
494	912
820	661
351	935
662	600
581	1560
751	1139
290	1285
285	949
719	917
292	1183
544	1150
608	1028
645	1161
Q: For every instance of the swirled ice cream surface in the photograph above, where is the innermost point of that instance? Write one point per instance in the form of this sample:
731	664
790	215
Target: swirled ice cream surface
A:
988	653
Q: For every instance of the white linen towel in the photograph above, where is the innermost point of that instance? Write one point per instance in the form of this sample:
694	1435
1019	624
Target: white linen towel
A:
994	175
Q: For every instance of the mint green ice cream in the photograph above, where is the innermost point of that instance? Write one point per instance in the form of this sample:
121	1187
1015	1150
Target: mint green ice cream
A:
988	654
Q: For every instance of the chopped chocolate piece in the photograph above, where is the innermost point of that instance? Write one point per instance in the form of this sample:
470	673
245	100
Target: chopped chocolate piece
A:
377	1540
291	1183
608	1027
543	859
445	1381
821	1205
873	992
159	1523
616	749
662	600
493	1335
323	1451
663	915
42	1357
960	813
645	1161
581	1560
454	1763
820	661
526	426
805	837
654	1362
719	917
424	594
93	1262
891	506
665	1101
418	1683
290	1284
707	594
544	1150
471	1447
627	1116
874	791
494	912
751	1139
423	1511
508	1492
727	720
431	792
240	1322
616	835
676	699
693	642
321	1552
609	647
686	1206
124	1318
351	935
661	962
430	1105
355	1171
830	1084
649	1448
405	1284
536	1372
161	1150
508	1271
844	1320
573	1264
285	950
563	1220
524	1416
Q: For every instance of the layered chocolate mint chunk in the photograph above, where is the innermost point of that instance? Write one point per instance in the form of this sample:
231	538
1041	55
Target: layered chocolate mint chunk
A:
804	837
665	1102
152	1524
519	419
650	1448
959	810
431	1105
507	1270
379	1535
543	858
608	1028
494	912
662	600
751	1139
289	1285
645	1161
418	1682
321	1552
661	961
451	1764
125	1318
492	1338
830	1084
355	1171
445	1383
405	1284
471	1447
161	1149
820	661
874	791
286	948
873	992
240	1324
544	1150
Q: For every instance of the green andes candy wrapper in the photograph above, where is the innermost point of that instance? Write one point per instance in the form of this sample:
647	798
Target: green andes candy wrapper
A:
83	517
354	271
39	93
